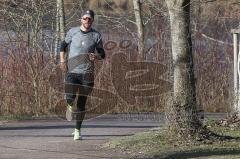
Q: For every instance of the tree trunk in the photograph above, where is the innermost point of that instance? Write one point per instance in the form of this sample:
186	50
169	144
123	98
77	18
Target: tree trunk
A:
60	25
140	27
61	20
182	115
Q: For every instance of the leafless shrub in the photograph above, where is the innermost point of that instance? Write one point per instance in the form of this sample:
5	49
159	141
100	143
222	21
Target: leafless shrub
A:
31	84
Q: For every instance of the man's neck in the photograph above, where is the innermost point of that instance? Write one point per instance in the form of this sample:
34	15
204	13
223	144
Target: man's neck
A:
84	29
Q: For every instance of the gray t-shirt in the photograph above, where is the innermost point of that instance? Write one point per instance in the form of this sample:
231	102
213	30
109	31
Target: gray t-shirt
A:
81	44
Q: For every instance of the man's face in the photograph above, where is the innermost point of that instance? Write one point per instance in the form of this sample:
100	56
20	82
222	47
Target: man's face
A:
87	22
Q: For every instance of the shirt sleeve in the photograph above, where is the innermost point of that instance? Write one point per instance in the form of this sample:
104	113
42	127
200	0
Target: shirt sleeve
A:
99	48
68	38
99	43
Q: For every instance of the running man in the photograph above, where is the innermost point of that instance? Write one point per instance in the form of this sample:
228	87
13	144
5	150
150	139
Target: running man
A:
82	42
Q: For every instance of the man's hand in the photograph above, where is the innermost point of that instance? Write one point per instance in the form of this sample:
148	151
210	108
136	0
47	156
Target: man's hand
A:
92	56
63	66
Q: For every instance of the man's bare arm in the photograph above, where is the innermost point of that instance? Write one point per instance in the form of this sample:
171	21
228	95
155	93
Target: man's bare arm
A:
63	61
62	57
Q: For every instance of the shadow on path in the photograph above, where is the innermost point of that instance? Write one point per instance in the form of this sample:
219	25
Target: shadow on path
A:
80	153
200	153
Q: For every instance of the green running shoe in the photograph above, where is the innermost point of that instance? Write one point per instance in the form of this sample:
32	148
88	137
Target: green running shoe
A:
69	111
77	135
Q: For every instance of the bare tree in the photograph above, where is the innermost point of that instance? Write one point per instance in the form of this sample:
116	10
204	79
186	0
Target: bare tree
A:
182	113
140	27
144	13
60	25
27	30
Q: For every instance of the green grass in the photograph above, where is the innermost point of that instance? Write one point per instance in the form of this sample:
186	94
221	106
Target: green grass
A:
153	144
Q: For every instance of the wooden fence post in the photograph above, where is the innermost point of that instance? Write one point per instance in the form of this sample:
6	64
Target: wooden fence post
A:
236	33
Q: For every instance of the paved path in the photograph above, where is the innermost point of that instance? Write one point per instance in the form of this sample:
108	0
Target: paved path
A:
51	139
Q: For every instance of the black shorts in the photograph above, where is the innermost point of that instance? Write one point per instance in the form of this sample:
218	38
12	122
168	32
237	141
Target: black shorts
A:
78	85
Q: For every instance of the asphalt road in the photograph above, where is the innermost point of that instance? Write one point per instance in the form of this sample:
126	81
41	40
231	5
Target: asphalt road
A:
52	139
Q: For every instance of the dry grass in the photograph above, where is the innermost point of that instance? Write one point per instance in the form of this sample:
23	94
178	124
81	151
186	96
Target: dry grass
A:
154	144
